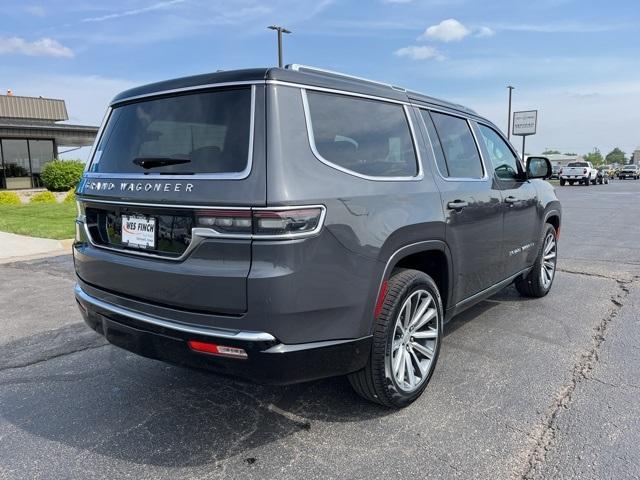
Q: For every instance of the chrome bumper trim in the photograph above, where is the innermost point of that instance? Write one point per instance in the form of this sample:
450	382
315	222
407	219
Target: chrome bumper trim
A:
244	336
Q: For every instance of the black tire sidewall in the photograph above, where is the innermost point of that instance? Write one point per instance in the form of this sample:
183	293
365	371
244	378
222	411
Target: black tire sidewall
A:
421	282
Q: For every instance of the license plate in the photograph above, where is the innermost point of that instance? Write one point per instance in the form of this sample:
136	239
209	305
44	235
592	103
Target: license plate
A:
139	232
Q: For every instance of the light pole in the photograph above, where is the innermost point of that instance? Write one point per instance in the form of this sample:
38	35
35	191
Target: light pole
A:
280	31
509	115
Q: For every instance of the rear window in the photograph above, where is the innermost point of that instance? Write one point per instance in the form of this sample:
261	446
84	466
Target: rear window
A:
577	164
196	133
364	136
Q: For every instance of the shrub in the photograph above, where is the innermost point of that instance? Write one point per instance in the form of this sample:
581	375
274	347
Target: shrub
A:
61	175
43	197
9	198
70	197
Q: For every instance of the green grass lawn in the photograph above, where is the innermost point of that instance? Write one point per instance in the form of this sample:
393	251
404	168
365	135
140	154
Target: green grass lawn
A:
39	220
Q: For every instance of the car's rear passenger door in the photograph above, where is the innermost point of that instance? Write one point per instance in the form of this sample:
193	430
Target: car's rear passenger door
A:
471	202
522	221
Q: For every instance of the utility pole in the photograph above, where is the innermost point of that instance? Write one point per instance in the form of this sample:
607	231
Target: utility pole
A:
509	115
280	31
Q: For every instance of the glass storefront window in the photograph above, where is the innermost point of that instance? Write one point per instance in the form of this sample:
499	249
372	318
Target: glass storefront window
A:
41	152
15	155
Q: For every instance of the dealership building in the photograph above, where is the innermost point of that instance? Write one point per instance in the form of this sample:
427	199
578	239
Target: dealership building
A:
31	134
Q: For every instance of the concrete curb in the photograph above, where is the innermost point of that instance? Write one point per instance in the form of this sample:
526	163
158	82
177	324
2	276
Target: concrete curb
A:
15	248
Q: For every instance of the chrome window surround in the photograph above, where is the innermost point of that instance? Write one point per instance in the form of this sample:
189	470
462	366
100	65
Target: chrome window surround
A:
199	234
312	142
245	336
159	176
485	176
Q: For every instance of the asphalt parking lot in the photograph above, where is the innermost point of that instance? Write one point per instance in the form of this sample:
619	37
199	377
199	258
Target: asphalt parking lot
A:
524	388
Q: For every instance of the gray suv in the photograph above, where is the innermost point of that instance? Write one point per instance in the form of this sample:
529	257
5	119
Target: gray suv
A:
285	225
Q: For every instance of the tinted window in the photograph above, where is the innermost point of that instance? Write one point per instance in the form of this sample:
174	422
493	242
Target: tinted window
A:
458	145
577	164
196	133
365	136
435	142
504	162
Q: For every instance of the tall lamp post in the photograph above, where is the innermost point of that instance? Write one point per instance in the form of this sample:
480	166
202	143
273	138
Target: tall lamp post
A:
509	115
280	31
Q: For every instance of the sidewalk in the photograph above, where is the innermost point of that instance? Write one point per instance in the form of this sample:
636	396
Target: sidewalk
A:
19	247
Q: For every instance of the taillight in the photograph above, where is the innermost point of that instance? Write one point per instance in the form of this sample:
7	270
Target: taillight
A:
263	222
286	222
225	221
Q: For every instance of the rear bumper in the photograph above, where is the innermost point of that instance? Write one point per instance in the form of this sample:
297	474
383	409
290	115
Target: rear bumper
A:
268	360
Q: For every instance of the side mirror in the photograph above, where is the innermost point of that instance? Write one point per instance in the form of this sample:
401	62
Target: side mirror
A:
539	167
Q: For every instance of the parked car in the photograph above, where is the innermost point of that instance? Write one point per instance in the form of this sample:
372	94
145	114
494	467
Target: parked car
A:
336	224
581	172
603	176
629	171
555	172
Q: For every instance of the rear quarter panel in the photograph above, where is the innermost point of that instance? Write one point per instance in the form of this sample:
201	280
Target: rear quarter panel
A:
369	219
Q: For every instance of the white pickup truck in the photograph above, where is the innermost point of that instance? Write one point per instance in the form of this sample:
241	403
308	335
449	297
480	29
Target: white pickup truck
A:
581	172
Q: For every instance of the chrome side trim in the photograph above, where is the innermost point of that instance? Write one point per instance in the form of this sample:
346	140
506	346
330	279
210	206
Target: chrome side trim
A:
485	176
188	89
337	91
241	335
314	149
198	176
296	67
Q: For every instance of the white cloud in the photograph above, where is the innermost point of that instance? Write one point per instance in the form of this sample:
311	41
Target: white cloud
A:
36	10
46	47
450	30
420	53
485	32
137	11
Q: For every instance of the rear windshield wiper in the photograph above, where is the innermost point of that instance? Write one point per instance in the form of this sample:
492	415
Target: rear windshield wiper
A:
153	162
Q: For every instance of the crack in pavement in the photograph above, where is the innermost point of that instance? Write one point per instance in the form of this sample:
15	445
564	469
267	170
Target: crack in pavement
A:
547	429
597	275
45	346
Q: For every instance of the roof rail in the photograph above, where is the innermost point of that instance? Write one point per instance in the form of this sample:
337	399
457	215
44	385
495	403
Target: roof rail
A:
297	67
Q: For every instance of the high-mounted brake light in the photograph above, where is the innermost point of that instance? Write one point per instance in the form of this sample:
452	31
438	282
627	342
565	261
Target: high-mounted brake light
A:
263	222
219	350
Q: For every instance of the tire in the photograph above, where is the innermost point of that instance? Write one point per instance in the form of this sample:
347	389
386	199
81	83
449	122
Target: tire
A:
378	380
594	181
533	284
571	182
562	182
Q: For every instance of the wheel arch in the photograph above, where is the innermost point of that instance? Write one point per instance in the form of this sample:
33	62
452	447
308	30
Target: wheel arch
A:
432	257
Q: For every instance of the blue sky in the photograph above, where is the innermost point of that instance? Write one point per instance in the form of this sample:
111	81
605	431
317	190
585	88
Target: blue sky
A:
576	61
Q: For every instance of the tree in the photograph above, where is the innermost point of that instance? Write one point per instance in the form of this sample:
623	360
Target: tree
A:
571	154
616	156
550	152
594	157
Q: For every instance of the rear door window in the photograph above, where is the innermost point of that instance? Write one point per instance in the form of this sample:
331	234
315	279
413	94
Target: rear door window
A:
206	132
368	137
458	146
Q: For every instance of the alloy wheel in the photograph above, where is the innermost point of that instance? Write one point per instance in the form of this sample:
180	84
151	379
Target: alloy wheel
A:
548	267
415	338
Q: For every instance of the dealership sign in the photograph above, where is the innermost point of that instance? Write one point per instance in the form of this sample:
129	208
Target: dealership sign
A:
525	123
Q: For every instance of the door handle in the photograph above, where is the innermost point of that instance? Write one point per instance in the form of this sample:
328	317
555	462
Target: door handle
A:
510	199
457	205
